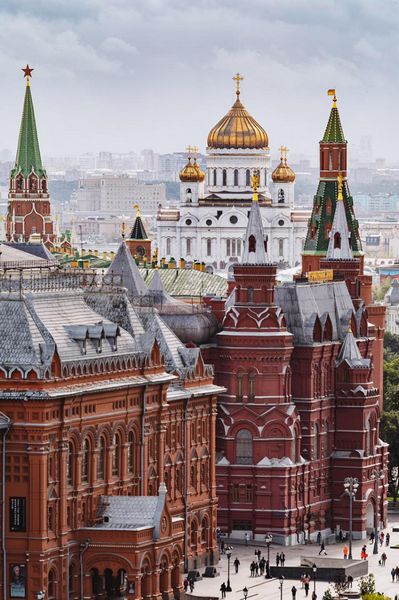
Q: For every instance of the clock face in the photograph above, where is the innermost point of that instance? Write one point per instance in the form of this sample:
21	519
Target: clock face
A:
164	524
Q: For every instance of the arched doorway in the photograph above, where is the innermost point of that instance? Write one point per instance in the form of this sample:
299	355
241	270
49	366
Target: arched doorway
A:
370	517
164	578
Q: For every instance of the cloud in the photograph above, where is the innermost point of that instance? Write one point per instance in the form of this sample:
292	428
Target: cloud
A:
157	73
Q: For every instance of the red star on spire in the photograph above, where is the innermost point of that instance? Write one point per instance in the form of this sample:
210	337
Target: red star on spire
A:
27	71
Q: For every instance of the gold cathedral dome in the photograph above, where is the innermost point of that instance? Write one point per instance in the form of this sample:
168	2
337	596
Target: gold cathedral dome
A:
283	172
192	172
238	129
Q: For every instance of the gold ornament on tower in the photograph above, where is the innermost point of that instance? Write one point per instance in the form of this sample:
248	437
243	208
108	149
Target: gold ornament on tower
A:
283	173
238	129
191	172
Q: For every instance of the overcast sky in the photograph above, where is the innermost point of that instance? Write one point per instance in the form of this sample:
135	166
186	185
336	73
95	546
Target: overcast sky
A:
124	75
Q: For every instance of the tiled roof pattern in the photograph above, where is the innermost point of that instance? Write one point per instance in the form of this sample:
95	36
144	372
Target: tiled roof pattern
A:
303	303
37	250
28	152
187	282
128	512
334	131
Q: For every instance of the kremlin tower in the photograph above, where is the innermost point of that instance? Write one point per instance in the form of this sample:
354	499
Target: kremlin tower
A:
29	210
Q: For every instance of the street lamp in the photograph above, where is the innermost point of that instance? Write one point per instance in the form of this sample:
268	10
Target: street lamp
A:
268	540
314	569
350	488
245	592
377	475
228	554
281	578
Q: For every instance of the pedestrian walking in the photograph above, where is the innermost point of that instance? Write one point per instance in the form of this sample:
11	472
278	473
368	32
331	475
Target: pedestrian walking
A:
314	596
383	559
222	547
252	568
350	581
191	585
346	551
306	586
319	538
293	592
246	538
393	572
185	584
259	554
236	564
387	539
277	559
256	569
223	588
282	559
372	537
303	580
397	573
322	549
382	535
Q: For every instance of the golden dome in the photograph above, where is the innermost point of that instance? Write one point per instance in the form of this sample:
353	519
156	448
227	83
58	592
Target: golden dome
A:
283	173
191	172
238	129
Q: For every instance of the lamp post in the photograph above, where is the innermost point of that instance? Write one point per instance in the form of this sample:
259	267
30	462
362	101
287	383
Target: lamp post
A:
314	569
245	592
351	485
376	475
228	554
281	578
268	540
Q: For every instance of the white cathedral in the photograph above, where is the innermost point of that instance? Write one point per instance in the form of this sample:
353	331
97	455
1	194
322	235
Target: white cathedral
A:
210	222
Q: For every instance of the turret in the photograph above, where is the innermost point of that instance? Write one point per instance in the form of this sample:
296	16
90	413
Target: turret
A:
283	178
192	179
138	242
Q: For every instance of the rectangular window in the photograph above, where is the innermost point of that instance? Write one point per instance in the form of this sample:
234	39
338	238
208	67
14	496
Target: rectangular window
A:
238	247
281	247
235	492
233	247
188	246
248	493
228	247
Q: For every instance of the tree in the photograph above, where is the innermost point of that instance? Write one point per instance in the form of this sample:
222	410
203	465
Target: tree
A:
367	585
390	434
390	416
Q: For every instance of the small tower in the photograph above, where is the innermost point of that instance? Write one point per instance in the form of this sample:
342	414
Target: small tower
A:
283	178
139	243
192	179
339	244
29	210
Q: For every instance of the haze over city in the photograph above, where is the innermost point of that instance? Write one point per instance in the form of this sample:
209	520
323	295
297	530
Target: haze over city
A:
116	75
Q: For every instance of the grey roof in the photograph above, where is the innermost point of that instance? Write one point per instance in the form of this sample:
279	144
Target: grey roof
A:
254	253
302	303
392	296
37	250
132	512
15	253
187	282
351	354
340	227
125	268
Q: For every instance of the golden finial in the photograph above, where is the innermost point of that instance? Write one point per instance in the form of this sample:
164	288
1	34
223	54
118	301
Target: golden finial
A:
123	230
238	78
286	150
283	153
255	184
340	186
189	152
138	212
332	93
28	74
195	150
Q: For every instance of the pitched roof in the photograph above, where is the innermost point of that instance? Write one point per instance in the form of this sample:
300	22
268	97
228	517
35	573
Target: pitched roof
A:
124	266
334	132
351	354
138	230
28	152
254	241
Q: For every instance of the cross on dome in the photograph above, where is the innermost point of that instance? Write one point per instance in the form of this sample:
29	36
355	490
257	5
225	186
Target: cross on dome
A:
238	78
189	151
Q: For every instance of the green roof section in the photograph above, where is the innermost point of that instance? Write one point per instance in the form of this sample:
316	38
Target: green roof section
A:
324	205
28	153
334	132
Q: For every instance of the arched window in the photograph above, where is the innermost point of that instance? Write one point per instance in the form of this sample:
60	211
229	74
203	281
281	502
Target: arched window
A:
327	441
248	177
337	240
70	464
130	452
281	247
168	245
101	459
330	164
204	530
235	177
251	386
50	518
71	580
294	445
117	454
227	247
209	247
193	476
281	198
250	294
369	449
252	243
265	172
244	447
214	177
316	441
86	461
188	246
188	194
238	247
317	330
51	585
193	533
204	473
240	378
224	177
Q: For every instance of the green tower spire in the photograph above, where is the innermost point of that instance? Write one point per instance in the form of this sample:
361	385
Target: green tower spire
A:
334	131
28	153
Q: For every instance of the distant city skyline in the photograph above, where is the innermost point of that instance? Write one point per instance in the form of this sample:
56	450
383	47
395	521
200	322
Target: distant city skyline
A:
158	74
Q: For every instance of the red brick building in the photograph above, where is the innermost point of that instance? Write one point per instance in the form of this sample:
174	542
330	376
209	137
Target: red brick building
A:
109	446
302	365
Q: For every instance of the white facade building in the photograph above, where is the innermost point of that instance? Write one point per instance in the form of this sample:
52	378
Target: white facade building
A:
210	222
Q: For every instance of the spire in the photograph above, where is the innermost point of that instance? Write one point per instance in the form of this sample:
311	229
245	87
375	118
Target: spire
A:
28	153
339	243
254	242
334	132
126	269
138	230
350	352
